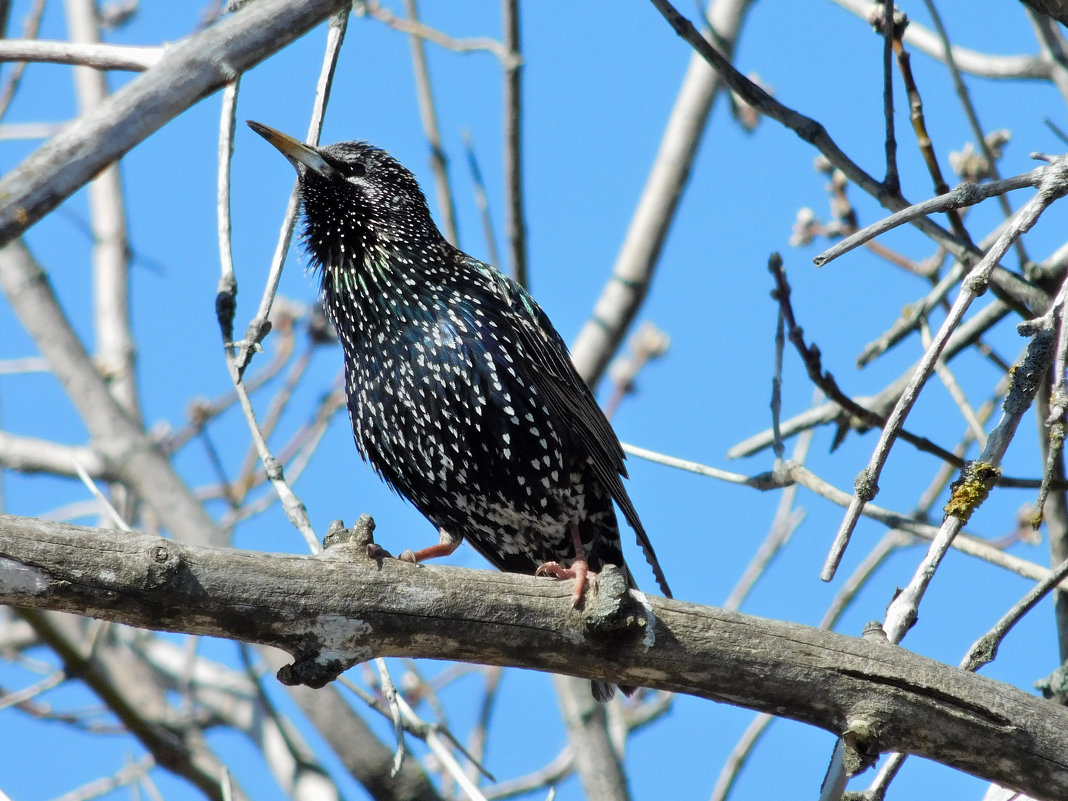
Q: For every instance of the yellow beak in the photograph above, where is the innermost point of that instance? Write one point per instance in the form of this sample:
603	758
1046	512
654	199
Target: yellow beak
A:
296	151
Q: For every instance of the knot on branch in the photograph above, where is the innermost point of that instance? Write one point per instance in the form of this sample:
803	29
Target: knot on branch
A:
164	564
976	285
345	542
877	19
226	309
1055	686
865	485
1026	377
608	603
313	671
874	632
969	491
860	747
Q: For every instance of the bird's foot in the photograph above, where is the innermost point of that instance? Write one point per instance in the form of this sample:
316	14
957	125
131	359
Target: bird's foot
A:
446	545
579	570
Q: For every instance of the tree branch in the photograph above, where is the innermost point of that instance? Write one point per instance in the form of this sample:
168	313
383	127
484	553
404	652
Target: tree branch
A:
335	610
188	70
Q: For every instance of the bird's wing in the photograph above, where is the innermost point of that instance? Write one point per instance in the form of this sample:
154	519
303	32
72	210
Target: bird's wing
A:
571	399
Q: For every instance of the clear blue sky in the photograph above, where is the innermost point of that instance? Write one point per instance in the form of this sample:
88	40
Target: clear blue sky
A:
599	81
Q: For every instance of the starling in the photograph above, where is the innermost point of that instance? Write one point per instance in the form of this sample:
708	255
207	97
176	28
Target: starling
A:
462	395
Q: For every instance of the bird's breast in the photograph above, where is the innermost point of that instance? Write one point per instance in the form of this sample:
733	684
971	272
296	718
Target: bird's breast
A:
438	399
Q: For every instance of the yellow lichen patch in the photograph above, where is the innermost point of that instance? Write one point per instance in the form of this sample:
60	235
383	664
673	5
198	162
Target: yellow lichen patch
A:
970	490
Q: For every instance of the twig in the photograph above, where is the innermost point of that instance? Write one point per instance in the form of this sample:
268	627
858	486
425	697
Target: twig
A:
647	344
985	649
945	472
738	756
1058	403
812	359
556	770
32	455
259	326
112	326
968	334
1054	185
202	411
950	382
919	124
911	317
686	464
224	305
513	145
430	733
226	292
479	736
480	201
971	61
787	519
25	694
814	133
969	111
982	651
438	162
101	499
296	454
966	194
85	54
126	775
32	25
971	546
414	27
1049	39
975	482
890	33
278	405
188	70
29	364
636	261
777	446
789	472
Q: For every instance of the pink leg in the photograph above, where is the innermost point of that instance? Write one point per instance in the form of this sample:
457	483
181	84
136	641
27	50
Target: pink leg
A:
579	570
448	543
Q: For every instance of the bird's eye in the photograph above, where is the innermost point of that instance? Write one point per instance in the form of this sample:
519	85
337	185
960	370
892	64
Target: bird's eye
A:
358	170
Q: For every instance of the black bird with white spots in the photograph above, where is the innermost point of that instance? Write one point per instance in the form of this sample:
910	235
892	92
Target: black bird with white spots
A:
462	395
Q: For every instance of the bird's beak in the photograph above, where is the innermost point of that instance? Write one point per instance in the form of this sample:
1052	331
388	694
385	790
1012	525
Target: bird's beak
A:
296	151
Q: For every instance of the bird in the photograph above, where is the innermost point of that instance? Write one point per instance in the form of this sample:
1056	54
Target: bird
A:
462	395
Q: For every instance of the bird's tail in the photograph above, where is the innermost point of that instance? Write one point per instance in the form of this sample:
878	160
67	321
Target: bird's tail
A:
604	691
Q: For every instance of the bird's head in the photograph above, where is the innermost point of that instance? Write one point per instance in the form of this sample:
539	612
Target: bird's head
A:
359	202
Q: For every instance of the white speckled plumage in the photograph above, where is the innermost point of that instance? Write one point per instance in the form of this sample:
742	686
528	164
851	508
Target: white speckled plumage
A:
461	394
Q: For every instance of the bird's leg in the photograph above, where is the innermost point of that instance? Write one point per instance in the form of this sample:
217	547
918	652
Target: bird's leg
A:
447	543
579	570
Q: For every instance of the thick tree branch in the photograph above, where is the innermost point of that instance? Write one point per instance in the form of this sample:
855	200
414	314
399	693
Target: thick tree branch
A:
632	273
125	449
340	608
188	70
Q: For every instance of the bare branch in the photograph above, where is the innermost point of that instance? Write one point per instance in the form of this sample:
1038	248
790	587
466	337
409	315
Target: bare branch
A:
341	608
971	61
438	161
189	70
96	55
632	272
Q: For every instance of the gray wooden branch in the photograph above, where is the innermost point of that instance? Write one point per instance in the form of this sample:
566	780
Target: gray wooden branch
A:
188	70
343	607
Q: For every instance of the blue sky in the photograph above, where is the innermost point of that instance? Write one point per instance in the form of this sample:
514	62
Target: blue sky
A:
599	81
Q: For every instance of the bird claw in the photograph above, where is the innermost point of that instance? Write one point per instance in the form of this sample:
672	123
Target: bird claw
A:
555	570
408	555
377	552
578	571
